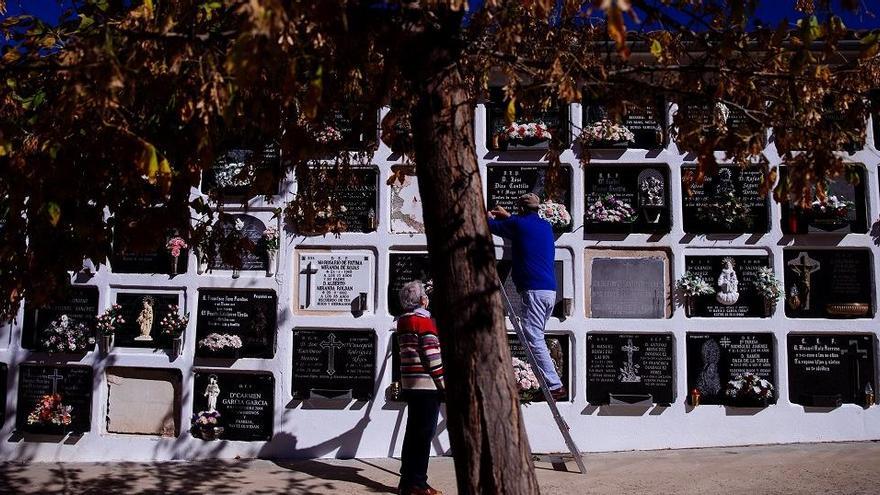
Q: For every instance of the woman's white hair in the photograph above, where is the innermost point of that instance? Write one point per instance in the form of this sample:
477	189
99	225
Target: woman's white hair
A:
411	295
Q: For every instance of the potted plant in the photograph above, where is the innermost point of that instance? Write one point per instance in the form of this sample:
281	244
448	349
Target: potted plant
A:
651	198
206	425
174	324
691	286
526	382
67	335
555	213
174	245
525	135
221	344
107	325
769	288
271	241
50	414
606	134
727	209
608	209
749	390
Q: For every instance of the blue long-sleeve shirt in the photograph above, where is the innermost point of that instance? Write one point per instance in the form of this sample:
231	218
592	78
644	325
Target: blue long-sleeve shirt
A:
533	250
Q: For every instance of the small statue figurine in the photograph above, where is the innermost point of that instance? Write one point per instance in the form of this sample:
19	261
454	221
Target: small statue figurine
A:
212	391
728	284
145	319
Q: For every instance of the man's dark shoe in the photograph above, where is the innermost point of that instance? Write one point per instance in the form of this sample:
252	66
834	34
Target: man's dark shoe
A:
559	394
419	491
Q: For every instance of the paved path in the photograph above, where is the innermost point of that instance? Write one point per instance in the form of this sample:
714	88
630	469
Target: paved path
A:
839	468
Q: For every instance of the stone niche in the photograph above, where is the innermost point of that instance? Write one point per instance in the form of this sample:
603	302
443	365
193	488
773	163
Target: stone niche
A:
143	401
406	203
627	283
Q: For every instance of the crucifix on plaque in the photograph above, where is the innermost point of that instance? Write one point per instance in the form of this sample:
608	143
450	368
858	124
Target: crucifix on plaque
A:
331	344
308	271
804	266
629	373
55	377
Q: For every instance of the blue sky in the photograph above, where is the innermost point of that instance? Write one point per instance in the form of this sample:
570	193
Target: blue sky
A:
770	12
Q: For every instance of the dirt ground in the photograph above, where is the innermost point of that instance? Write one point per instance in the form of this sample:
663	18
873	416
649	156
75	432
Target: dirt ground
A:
831	468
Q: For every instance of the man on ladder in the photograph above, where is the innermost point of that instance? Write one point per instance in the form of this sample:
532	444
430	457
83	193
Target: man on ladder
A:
534	276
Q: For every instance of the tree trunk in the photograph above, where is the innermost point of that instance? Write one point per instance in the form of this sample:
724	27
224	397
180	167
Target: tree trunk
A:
486	431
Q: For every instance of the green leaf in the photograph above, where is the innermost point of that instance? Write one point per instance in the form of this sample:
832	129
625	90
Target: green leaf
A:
54	212
85	21
656	49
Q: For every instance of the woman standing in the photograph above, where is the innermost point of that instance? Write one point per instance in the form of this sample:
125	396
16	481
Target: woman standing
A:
421	377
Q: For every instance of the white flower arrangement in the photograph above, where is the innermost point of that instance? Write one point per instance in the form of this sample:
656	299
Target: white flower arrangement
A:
833	206
605	131
767	285
692	285
220	342
67	335
610	209
271	238
328	212
555	213
521	132
526	382
327	135
749	386
652	192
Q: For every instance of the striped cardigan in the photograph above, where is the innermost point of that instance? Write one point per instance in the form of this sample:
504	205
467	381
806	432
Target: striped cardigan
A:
421	367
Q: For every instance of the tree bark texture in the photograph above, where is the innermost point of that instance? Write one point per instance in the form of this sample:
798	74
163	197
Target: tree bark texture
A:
486	431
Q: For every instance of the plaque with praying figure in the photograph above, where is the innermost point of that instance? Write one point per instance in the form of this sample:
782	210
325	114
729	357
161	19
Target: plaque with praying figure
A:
737	284
630	365
842	211
830	369
79	305
728	202
826	283
335	282
241	405
735	369
334	364
54	400
142	313
558	345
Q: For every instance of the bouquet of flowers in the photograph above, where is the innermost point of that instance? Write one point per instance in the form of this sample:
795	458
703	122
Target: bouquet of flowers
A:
66	335
767	285
215	342
749	386
327	212
174	323
651	189
693	285
605	131
610	209
526	382
555	213
175	244
50	410
728	210
327	135
522	132
270	237
110	321
832	208
206	424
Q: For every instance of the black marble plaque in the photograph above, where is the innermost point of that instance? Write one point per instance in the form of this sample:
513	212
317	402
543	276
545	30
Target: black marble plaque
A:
357	127
333	362
358	193
826	283
714	359
251	315
630	364
645	123
403	268
138	308
628	288
626	199
844	212
80	304
246	403
73	383
742	301
830	369
737	121
555	118
251	228
729	202
243	171
505	268
559	347
506	183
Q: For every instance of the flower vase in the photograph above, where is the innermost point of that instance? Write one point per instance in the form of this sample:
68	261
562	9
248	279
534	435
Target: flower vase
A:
769	307
272	258
210	432
174	265
105	343
690	304
652	213
177	346
201	263
236	273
